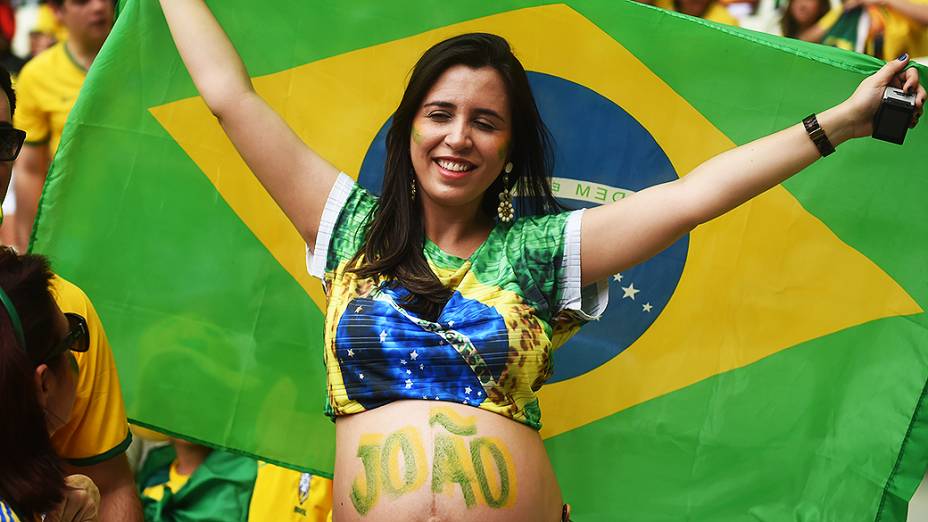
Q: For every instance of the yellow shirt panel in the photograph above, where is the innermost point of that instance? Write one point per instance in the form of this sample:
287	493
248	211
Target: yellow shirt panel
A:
46	90
97	429
284	495
902	35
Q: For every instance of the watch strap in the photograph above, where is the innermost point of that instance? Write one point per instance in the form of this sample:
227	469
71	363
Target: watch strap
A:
817	135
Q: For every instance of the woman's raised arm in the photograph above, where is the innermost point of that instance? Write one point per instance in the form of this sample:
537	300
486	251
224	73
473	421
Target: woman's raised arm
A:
651	220
297	178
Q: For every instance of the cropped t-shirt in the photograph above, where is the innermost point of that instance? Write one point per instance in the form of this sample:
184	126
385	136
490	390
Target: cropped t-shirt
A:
514	300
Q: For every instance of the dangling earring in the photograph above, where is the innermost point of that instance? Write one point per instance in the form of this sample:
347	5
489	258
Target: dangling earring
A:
504	210
412	189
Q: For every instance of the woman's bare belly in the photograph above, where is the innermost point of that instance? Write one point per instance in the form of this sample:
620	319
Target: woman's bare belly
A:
434	461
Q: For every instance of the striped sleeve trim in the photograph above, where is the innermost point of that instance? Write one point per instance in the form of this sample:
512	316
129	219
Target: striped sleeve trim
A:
316	259
589	303
119	449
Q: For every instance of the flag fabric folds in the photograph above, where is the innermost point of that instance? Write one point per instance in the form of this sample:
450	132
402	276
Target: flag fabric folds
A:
769	366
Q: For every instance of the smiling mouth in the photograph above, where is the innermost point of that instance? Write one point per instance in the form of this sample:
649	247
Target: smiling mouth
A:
455	166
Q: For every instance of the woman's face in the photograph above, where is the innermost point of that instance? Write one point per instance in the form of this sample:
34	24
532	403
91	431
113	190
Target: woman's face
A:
60	380
804	11
460	137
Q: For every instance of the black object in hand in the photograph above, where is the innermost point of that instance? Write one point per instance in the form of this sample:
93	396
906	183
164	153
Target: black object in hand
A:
894	116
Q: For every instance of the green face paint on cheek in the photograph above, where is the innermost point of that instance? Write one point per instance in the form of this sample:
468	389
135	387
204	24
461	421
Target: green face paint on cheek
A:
503	151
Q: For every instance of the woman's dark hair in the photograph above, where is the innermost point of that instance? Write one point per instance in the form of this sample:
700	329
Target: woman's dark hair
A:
6	84
31	477
789	26
395	239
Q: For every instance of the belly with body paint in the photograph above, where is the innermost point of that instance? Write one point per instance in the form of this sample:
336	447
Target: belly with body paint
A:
441	461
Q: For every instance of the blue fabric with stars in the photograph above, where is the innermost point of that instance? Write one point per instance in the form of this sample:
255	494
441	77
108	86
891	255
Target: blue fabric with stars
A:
385	356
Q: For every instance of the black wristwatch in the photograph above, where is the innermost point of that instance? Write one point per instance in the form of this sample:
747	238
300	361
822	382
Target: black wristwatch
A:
817	135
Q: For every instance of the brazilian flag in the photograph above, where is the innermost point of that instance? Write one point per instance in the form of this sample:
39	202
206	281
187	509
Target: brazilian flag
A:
771	365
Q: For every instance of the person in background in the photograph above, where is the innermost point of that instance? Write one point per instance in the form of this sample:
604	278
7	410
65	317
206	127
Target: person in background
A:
191	482
802	15
38	380
48	87
881	28
285	495
94	439
706	9
12	63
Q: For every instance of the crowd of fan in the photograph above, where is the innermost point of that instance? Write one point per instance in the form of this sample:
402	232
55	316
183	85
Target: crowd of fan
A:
65	451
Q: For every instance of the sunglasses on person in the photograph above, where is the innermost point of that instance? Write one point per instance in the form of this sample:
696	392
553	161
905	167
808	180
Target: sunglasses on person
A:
11	142
76	340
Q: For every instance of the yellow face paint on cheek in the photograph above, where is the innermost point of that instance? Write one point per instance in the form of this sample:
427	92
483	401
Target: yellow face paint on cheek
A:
416	136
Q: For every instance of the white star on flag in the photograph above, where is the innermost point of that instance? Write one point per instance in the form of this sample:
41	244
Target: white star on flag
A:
630	291
413	355
403	361
361	375
350	352
408	372
617	278
451	324
421	366
408	383
646	307
467	390
383	335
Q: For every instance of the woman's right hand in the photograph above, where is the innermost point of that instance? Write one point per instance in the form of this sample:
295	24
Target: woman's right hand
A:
861	107
81	502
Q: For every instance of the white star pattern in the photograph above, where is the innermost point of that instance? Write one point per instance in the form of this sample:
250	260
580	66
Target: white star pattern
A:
350	352
479	394
413	355
361	376
646	307
421	366
617	278
467	390
408	383
408	372
383	335
403	362
359	309
450	324
630	291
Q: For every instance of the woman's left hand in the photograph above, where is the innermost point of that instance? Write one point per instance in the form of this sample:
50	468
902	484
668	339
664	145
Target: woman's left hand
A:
861	107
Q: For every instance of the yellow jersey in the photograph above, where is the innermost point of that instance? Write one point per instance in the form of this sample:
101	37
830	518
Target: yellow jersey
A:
97	429
46	89
899	33
284	495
